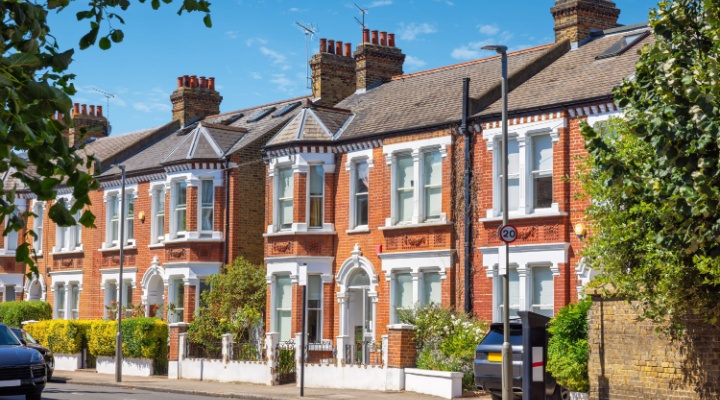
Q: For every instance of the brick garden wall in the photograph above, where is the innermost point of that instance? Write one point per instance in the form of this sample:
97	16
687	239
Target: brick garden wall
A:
630	360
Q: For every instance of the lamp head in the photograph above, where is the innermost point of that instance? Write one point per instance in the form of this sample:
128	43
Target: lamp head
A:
500	49
580	230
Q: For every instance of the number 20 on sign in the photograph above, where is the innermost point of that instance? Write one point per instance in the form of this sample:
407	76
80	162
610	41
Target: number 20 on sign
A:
507	233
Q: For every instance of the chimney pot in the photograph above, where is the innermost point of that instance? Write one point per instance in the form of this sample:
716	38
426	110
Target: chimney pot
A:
76	108
99	111
374	37
180	81
366	36
203	82
383	38
323	45
348	49
331	46
338	48
211	83
186	81
92	111
83	109
391	39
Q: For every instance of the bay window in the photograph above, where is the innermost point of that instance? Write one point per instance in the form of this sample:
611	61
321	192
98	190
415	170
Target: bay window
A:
316	178
422	287
531	289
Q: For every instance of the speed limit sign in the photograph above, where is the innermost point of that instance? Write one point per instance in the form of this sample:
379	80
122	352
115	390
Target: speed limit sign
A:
507	233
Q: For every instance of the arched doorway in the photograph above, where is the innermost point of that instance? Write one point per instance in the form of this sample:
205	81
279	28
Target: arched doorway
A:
153	285
361	316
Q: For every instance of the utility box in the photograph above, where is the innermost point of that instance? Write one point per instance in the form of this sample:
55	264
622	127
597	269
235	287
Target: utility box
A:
534	341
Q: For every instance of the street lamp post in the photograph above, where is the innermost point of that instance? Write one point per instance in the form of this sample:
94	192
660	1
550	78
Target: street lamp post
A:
121	240
506	347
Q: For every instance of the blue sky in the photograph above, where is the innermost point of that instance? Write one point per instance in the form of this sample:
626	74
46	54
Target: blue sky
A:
257	53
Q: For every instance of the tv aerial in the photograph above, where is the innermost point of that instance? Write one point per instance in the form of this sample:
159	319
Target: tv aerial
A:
108	96
363	12
309	30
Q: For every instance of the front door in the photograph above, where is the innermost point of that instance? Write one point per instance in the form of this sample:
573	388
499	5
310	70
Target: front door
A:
361	314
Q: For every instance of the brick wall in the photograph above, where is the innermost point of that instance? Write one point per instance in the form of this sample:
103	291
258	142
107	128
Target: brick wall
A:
402	349
630	360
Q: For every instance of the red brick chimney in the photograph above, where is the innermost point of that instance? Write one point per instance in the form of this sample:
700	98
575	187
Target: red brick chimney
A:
575	18
377	60
333	73
194	98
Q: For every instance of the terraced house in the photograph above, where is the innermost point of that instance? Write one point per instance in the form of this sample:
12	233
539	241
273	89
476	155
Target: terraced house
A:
361	183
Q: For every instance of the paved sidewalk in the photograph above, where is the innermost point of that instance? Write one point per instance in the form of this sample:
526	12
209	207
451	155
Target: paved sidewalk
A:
228	390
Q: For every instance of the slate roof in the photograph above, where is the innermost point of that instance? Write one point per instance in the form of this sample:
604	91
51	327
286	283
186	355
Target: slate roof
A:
428	97
576	76
312	124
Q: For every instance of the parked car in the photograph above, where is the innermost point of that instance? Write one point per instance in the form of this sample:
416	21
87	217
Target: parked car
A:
488	364
22	369
30	342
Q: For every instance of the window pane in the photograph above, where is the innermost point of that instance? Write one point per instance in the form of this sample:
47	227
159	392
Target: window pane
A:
207	193
181	217
403	291
433	202
542	192
130	216
513	157
405	205
404	171
286	213
38	228
513	194
283	325
9	293
362	177
542	153
432	166
207	219
181	193
543	291
316	180
285	186
283	292
361	209
313	325
514	292
431	289
314	291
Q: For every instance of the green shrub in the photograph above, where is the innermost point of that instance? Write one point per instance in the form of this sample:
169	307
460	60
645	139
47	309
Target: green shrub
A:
448	339
145	338
13	313
60	336
101	338
568	346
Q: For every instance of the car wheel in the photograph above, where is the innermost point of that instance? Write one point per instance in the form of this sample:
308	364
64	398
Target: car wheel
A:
33	396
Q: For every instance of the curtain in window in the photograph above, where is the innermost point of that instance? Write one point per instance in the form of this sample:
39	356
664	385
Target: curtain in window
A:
405	183
433	184
316	175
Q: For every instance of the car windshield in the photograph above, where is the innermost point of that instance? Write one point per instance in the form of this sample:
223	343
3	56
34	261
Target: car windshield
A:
24	335
495	336
7	338
29	338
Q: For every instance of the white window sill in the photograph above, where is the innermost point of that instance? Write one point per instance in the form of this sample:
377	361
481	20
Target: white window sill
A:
62	252
420	225
189	240
300	229
4	252
302	233
117	248
358	229
156	245
536	214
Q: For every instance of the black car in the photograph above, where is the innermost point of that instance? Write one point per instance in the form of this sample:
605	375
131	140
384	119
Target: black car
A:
30	342
22	369
488	364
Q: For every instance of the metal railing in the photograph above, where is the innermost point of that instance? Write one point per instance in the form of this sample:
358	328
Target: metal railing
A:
247	350
286	371
364	352
320	353
209	350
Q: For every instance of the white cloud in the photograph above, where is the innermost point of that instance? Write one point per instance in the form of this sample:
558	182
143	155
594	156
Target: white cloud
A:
489	30
380	3
255	75
464	53
151	107
296	10
276	57
254	41
414	63
411	31
232	34
473	50
283	83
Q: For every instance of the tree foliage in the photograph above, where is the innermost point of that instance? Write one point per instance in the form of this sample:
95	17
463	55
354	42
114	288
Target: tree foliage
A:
234	304
34	86
568	350
655	177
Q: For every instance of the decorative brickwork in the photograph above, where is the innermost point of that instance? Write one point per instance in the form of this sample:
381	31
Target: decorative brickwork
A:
630	360
575	18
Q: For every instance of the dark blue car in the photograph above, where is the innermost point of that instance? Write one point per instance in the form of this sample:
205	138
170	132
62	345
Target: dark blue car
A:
22	369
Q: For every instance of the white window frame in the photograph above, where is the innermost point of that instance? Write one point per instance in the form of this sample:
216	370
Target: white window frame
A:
68	279
157	233
321	309
131	192
416	149
353	159
278	200
276	309
68	239
523	133
39	211
201	207
525	290
175	232
310	196
60	311
179	313
11	240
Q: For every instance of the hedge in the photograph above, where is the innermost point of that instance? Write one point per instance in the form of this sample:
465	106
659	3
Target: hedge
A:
142	337
13	313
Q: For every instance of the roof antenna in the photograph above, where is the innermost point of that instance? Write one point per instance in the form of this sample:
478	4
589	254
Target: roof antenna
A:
108	96
363	12
309	30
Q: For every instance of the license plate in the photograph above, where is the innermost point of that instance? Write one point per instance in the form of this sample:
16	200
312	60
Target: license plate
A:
14	382
495	357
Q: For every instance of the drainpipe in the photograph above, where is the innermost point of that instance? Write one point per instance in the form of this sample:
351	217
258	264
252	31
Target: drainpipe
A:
468	219
227	213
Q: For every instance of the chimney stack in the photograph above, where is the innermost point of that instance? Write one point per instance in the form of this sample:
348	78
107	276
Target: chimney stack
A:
333	72
193	99
575	18
85	125
378	60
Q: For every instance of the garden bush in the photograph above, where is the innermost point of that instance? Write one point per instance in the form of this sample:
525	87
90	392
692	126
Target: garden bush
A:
447	338
101	338
13	313
568	346
60	336
142	338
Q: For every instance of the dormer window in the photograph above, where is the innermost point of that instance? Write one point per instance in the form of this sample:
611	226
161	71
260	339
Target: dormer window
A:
622	45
